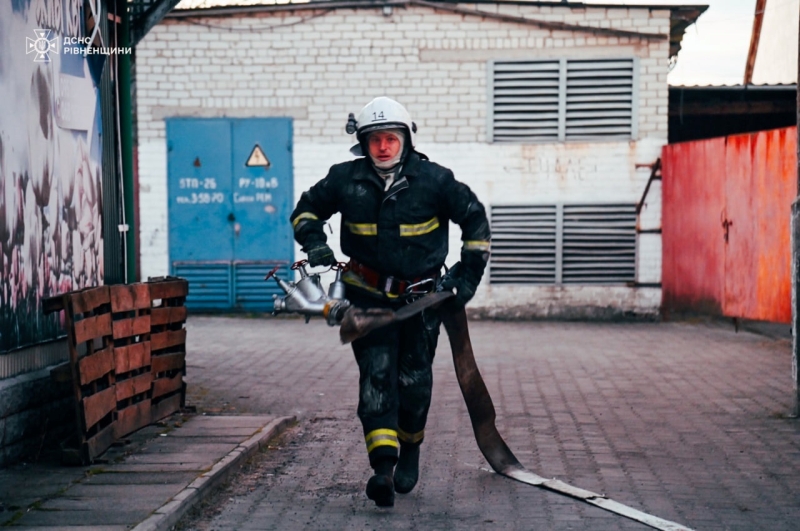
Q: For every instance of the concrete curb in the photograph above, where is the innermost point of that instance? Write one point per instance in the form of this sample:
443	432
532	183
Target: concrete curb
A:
168	514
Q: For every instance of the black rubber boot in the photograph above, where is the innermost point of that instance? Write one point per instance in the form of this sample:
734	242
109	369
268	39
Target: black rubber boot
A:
407	473
380	487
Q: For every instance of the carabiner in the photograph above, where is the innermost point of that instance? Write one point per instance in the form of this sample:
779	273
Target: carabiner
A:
411	291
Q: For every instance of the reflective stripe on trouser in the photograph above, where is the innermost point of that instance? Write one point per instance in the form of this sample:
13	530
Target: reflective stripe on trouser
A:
381	437
410	438
395	379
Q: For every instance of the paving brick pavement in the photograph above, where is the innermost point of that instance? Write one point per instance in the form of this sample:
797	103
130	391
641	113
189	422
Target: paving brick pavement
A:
146	482
685	421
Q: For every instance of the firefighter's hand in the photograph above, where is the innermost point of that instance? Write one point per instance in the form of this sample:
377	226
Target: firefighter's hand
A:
464	284
319	254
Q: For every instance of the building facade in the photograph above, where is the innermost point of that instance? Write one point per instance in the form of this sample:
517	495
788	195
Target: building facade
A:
553	113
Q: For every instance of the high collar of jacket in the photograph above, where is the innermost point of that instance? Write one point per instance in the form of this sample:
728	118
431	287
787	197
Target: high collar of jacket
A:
410	168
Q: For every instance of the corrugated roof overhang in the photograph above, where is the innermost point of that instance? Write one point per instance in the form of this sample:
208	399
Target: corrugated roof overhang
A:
145	14
680	19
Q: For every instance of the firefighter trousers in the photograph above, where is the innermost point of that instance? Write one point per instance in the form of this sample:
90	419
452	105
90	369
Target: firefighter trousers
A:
395	382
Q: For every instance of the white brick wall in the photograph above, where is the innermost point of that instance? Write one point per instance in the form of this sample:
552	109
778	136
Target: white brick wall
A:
435	64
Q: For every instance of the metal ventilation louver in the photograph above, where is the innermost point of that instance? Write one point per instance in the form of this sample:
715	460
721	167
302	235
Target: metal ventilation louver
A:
230	285
599	244
523	245
526	101
558	100
209	283
563	244
599	99
252	291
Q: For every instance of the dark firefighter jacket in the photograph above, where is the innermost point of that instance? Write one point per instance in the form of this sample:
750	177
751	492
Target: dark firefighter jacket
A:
402	232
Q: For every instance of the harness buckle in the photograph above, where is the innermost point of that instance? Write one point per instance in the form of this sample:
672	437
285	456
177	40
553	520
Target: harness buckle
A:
388	285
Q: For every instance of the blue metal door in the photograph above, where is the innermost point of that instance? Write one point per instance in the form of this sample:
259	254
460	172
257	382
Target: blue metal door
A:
230	196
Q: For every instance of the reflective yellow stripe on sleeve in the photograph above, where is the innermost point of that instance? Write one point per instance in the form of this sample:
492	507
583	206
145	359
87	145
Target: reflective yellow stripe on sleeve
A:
410	437
419	229
476	245
382	437
362	229
301	217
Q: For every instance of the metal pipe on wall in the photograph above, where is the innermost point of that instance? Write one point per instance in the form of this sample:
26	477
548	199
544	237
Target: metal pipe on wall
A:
126	130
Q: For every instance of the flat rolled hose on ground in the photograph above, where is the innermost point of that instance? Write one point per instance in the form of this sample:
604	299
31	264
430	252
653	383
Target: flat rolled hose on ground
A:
491	444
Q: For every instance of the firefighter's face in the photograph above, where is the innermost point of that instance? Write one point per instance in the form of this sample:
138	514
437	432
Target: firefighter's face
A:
383	145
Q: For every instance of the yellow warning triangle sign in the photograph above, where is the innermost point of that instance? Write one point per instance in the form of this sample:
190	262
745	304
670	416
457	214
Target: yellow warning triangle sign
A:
258	158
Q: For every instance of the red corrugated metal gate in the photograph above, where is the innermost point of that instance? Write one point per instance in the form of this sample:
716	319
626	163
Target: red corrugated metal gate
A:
726	225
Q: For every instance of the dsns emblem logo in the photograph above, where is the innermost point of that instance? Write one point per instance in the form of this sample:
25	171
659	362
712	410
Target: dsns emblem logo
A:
41	45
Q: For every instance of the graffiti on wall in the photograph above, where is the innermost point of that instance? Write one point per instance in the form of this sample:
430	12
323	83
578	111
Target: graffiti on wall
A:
50	166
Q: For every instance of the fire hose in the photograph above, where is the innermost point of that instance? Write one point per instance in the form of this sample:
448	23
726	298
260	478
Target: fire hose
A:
355	322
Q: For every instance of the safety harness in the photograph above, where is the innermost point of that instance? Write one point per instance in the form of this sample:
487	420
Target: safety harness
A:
362	276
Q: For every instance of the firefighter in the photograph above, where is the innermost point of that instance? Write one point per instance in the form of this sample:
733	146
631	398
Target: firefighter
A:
396	206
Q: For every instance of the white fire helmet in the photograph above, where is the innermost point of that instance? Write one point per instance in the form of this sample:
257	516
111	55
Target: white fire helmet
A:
380	113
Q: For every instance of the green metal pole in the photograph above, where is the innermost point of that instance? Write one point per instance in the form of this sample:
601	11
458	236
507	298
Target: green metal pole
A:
126	132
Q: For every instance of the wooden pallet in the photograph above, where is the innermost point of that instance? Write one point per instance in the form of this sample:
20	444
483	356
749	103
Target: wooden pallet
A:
127	347
168	344
91	355
130	307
